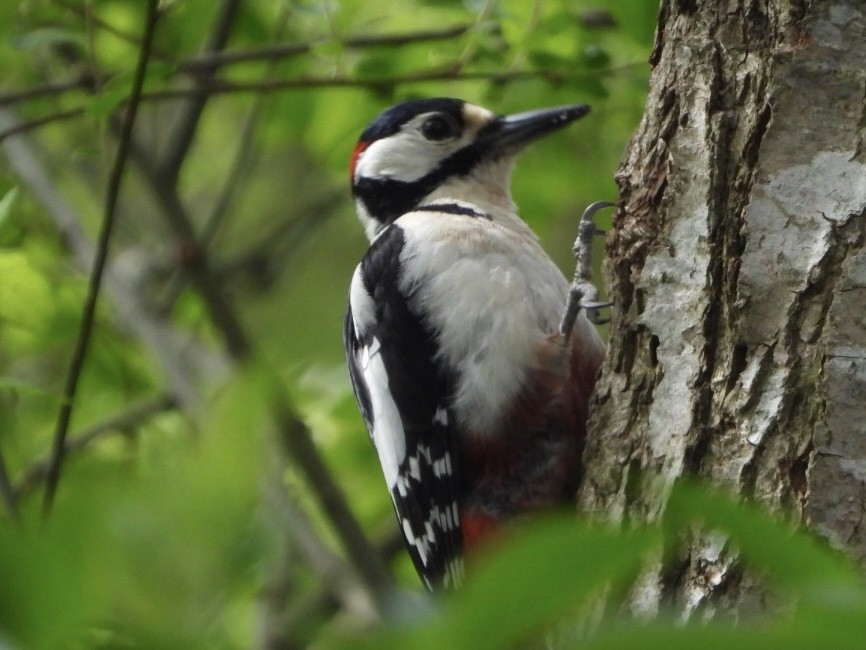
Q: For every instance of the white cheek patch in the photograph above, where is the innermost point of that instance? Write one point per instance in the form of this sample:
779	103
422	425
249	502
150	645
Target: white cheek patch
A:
407	155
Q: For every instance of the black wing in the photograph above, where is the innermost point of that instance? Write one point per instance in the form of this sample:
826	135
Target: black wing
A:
403	395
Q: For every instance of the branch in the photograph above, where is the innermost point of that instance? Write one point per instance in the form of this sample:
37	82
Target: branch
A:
320	605
295	534
193	257
242	166
55	88
86	12
294	434
282	240
184	361
297	441
86	327
23	127
7	491
211	62
131	417
447	74
181	139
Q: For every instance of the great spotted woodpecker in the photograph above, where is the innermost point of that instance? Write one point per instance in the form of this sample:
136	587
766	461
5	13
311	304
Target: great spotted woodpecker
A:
475	401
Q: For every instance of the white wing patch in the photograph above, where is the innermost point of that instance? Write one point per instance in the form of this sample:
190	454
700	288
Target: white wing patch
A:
363	307
387	426
388	435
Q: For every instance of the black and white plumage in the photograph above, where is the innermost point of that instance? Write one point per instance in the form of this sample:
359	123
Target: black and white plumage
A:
475	404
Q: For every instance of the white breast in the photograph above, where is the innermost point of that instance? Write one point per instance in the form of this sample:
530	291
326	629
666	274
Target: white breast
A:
493	295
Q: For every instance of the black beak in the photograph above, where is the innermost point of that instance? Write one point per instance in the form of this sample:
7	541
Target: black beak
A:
511	133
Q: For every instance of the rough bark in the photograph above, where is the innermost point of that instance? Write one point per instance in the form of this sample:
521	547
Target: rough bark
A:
737	263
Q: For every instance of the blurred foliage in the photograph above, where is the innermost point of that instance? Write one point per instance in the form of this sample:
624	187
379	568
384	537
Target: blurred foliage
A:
547	584
168	530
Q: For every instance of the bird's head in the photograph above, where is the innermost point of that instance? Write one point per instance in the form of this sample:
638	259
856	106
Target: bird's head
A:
428	149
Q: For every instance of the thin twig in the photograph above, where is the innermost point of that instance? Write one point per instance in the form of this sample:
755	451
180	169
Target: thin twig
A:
56	88
298	442
293	432
297	536
242	166
23	127
185	362
85	11
7	490
89	314
182	136
193	257
281	241
209	62
452	72
281	51
133	416
446	74
300	621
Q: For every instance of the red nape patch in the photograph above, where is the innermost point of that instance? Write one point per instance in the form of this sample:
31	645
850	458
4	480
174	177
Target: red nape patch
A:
353	161
478	530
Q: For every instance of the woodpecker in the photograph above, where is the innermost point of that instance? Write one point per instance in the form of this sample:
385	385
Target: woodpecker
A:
475	401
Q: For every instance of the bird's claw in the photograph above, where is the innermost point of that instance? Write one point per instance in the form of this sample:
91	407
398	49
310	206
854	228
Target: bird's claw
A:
583	294
591	310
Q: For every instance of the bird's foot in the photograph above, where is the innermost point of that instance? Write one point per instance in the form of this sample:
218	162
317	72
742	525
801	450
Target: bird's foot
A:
583	293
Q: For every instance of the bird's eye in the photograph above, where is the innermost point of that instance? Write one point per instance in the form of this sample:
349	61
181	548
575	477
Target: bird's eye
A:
439	127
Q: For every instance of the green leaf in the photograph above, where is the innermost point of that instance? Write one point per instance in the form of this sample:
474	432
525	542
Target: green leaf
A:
541	575
528	582
26	306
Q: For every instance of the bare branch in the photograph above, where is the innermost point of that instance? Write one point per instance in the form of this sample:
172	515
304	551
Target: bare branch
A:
294	535
211	62
184	361
132	417
86	328
7	491
299	445
446	74
23	127
212	59
184	132
86	11
193	257
294	434
321	604
46	90
242	165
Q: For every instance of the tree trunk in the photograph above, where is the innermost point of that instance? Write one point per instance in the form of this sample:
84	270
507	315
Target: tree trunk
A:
738	269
